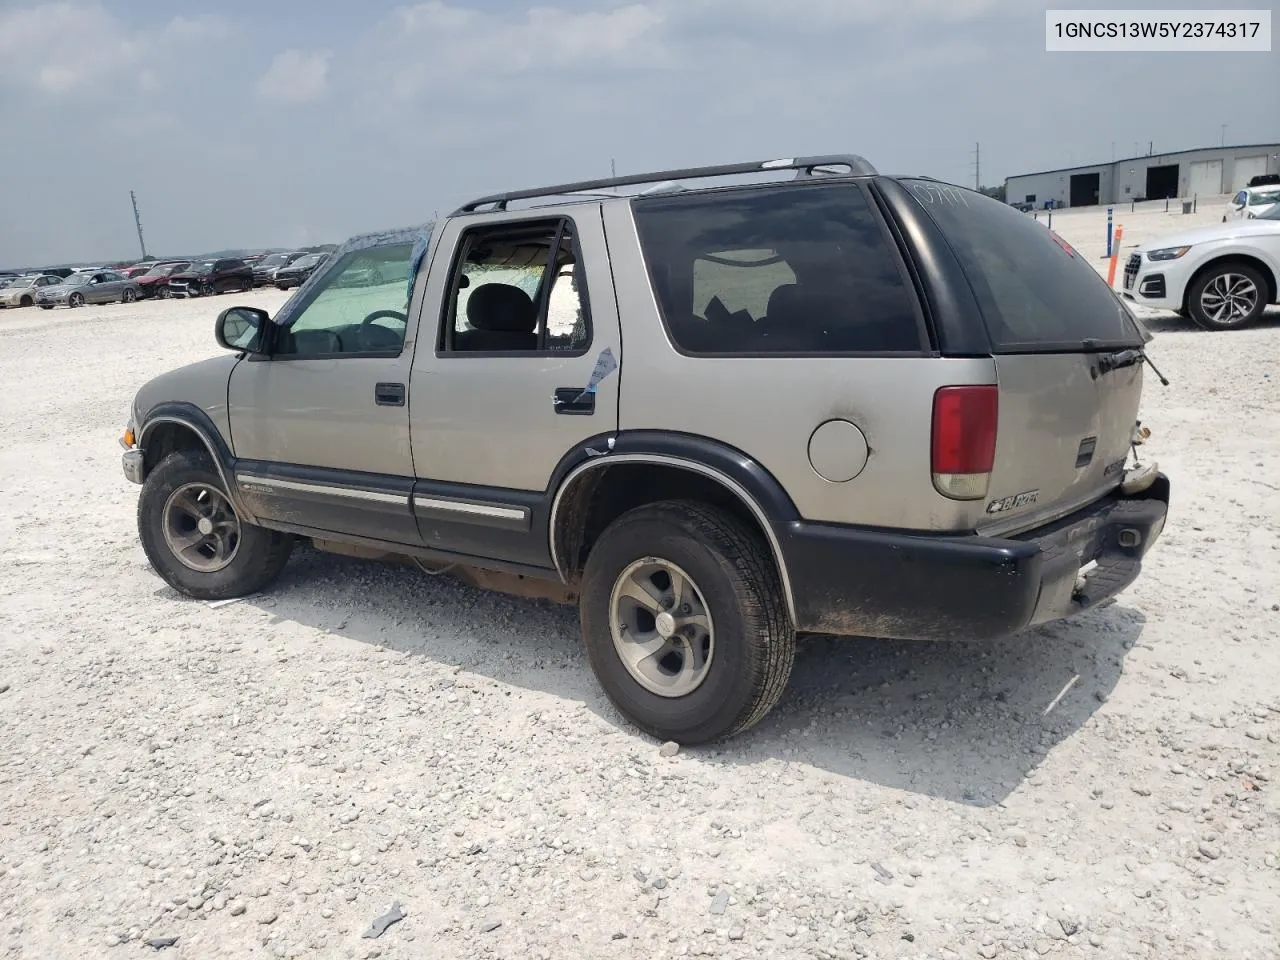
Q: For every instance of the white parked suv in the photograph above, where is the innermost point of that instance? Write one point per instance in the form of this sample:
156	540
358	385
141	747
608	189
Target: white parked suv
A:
1221	277
1252	202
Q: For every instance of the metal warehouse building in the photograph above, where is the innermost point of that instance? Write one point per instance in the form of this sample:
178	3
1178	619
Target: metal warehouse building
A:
1212	171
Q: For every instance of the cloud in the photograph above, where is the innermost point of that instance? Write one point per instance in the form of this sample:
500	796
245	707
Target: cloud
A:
420	50
295	77
818	15
429	101
66	47
90	43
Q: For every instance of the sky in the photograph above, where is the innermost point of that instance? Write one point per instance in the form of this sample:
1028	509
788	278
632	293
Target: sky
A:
243	124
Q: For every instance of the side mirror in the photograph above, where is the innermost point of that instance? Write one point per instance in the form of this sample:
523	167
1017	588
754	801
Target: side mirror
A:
242	328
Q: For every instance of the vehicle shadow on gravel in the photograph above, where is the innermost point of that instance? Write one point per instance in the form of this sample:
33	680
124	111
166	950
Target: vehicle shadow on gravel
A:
964	722
958	721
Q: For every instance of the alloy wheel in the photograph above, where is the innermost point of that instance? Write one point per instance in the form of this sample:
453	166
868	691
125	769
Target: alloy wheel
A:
662	629
201	527
1229	298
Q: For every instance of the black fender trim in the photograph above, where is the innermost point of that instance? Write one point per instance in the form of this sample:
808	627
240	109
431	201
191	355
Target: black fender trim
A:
191	417
737	472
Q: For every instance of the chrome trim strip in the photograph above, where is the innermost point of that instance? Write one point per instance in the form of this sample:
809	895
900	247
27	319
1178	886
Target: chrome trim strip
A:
727	482
472	509
347	493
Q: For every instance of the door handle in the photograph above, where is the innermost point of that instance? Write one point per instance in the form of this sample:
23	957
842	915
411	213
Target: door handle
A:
574	402
389	394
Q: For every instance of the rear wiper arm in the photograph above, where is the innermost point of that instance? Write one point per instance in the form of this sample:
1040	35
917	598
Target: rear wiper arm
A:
1127	358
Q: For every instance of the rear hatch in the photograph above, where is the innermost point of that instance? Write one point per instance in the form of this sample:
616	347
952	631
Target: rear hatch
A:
1066	410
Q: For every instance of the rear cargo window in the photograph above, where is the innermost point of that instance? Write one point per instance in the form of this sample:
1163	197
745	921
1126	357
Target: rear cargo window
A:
1036	293
794	269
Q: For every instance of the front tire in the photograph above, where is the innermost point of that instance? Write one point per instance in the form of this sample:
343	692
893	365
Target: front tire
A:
25	302
1227	297
128	296
684	622
75	300
193	538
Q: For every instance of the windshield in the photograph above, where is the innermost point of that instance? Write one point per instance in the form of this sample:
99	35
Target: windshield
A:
162	270
1035	292
275	260
1260	197
205	266
77	279
308	261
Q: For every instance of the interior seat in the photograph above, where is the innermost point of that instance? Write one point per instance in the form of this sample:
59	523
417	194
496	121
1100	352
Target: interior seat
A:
502	317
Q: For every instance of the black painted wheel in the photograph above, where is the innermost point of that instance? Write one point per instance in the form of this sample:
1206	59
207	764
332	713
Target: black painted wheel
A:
195	540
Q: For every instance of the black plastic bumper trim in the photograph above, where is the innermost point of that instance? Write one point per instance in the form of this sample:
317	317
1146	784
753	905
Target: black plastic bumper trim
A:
856	582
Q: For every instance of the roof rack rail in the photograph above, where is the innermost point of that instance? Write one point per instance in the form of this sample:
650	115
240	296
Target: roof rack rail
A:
804	167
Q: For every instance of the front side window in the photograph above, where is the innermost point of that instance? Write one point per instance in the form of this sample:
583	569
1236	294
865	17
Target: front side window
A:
346	315
518	288
777	270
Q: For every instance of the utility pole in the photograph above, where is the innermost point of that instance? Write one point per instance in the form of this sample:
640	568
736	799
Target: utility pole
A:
138	221
613	168
977	166
1151	147
1224	135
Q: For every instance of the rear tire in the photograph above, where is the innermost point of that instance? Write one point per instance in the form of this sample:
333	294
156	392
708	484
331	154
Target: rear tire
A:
1227	297
229	559
729	644
46	306
25	302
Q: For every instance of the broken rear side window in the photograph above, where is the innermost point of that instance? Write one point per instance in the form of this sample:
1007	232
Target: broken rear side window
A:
777	270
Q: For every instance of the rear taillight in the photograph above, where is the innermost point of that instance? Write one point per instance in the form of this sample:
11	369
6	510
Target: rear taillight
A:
964	440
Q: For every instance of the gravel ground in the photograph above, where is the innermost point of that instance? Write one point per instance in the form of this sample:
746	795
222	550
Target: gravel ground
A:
266	778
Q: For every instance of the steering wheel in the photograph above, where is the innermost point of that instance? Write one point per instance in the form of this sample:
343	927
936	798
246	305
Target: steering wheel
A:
379	314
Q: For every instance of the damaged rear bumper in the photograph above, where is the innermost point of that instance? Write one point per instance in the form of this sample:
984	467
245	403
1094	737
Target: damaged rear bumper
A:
852	581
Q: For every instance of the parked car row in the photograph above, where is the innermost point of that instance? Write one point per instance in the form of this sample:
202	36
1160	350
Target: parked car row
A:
21	291
159	279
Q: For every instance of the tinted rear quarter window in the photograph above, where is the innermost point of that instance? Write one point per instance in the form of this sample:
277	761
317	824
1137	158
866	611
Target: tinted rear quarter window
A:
1035	292
796	269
